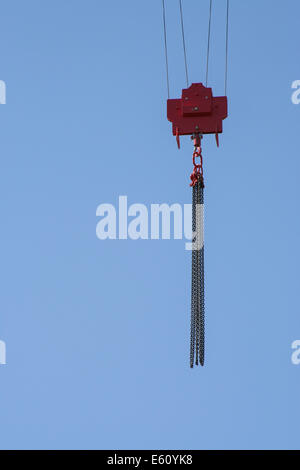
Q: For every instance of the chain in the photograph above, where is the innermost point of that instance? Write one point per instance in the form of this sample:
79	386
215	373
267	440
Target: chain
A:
194	277
197	173
197	285
200	254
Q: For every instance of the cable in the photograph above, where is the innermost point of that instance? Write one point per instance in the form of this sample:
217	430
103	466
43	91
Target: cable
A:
208	41
227	38
183	43
166	48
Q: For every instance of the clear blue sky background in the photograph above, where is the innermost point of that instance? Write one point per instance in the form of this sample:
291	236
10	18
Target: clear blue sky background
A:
97	332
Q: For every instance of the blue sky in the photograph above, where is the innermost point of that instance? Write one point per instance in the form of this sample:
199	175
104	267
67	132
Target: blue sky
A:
97	331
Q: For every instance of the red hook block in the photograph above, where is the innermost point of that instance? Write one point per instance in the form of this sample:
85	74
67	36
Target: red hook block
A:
197	112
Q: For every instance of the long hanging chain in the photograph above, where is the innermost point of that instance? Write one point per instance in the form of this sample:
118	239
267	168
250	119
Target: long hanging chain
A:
197	346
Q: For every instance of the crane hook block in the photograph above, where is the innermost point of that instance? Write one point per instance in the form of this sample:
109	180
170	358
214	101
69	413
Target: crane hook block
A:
197	112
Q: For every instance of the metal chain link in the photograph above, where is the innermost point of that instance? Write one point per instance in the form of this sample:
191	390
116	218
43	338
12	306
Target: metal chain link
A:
201	280
193	283
197	349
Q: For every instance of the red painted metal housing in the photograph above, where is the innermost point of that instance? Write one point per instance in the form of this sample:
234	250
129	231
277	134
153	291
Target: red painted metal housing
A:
197	112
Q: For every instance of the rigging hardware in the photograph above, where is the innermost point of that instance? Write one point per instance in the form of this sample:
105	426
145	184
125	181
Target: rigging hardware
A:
197	113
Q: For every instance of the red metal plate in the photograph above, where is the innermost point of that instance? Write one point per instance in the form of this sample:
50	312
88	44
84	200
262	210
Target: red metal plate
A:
197	111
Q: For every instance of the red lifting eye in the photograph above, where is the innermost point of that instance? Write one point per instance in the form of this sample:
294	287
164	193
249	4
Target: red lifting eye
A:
197	111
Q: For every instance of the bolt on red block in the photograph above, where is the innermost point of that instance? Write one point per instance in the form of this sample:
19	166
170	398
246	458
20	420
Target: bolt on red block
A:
197	112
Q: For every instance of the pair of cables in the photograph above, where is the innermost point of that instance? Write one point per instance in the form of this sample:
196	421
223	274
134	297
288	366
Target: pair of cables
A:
208	44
